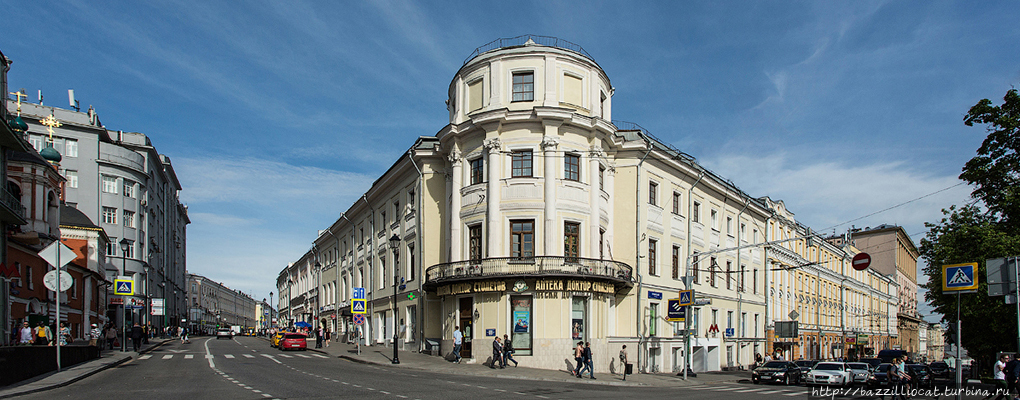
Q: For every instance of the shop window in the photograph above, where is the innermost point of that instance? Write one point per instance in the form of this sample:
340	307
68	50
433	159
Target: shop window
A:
653	319
522	324
579	318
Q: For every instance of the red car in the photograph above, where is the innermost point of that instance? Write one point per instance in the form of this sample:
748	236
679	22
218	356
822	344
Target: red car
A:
294	341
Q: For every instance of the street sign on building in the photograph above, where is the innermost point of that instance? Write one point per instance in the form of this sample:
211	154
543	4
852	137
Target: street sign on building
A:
675	312
959	277
730	332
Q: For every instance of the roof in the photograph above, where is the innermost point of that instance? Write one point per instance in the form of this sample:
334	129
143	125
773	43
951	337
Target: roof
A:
72	217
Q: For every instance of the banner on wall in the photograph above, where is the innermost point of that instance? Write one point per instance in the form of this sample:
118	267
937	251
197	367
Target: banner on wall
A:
521	323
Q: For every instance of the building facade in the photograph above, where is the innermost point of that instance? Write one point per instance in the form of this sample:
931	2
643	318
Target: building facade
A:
120	181
213	305
533	214
12	212
894	254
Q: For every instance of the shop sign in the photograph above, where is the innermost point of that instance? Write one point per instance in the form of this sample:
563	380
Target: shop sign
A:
520	286
702	302
542	285
476	287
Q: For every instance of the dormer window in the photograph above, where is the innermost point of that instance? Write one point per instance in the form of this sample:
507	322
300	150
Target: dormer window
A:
524	86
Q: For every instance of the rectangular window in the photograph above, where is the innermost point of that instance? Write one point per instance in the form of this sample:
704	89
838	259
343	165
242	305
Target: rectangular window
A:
729	226
109	184
711	271
714	220
570	240
602	243
651	257
477	171
602	178
676	262
475	242
524	86
696	212
109	215
729	319
129	251
71	148
697	270
520	164
741	286
72	178
653	319
110	247
522	239
36	141
571	164
520	312
129	188
653	193
602	105
129	219
28	277
676	203
743	232
410	262
396	211
729	274
754	281
382	273
475	94
579	318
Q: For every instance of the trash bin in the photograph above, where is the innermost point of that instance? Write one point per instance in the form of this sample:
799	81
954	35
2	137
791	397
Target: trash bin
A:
629	369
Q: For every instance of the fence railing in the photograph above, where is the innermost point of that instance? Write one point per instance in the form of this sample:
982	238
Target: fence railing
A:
521	40
12	202
529	266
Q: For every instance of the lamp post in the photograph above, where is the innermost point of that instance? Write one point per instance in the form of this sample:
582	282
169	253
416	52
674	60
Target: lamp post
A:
290	310
263	316
124	246
271	309
394	244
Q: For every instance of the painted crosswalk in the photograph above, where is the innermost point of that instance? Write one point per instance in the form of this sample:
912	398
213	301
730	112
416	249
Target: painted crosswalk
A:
791	391
226	356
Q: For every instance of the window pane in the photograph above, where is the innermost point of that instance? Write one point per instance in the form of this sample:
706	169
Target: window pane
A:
524	86
521	164
571	163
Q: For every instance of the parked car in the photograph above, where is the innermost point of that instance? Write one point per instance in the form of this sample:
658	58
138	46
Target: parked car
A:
859	372
920	376
224	333
785	372
293	341
941	370
889	355
880	377
873	362
829	374
805	365
274	341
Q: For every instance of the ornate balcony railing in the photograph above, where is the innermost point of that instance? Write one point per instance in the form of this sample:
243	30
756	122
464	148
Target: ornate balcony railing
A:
530	266
12	202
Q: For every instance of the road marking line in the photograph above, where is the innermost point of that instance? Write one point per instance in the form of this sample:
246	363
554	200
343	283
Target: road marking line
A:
319	355
481	387
541	397
145	357
774	391
729	388
256	391
748	390
168	356
793	394
383	392
266	395
228	356
189	356
303	356
249	356
209	356
401	396
500	390
286	356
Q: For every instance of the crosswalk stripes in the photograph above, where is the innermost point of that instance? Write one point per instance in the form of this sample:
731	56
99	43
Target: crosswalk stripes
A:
189	356
228	356
145	357
249	356
745	389
319	355
286	356
168	356
303	356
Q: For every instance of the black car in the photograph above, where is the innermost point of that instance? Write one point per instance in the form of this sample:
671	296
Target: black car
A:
785	372
874	362
880	378
920	376
805	365
941	370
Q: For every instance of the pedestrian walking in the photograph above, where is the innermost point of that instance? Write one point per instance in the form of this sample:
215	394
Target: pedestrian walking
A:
578	358
136	336
111	335
588	364
497	354
145	334
327	334
25	334
64	335
43	335
184	336
508	351
458	341
94	334
318	338
999	375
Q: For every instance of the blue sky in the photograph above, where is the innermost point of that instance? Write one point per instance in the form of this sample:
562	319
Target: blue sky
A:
277	115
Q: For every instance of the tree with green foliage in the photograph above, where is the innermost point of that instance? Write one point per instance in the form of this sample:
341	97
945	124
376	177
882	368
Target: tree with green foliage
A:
975	233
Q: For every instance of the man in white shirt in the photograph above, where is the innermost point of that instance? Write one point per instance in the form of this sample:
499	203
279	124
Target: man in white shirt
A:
1000	377
458	340
25	335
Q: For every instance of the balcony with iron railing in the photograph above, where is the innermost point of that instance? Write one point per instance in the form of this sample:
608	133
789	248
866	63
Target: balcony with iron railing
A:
11	210
621	274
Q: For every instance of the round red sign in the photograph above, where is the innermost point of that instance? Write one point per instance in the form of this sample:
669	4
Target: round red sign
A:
861	261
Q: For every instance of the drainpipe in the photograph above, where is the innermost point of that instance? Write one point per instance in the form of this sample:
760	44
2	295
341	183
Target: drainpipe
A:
637	247
371	267
688	279
336	292
740	287
418	249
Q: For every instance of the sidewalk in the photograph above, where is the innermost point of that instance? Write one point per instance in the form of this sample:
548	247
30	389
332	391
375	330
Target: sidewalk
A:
378	355
74	373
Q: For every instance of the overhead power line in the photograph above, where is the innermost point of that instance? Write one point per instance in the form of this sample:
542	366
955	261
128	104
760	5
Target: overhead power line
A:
896	206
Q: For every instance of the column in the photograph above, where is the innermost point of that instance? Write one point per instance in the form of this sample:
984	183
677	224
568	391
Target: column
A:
550	146
492	219
594	155
455	205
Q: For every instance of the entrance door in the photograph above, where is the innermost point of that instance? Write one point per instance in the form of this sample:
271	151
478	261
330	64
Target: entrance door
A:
467	307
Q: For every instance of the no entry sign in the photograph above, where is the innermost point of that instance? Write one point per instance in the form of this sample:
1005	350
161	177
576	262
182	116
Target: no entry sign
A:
861	261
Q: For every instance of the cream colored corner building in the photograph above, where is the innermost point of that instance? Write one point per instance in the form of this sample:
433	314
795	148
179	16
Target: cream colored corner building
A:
534	215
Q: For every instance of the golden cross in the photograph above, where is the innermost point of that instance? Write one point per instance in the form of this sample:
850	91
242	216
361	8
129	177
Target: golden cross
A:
50	123
19	95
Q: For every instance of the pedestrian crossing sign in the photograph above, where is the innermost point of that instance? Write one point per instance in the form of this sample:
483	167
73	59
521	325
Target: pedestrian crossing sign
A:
358	306
686	297
959	277
123	287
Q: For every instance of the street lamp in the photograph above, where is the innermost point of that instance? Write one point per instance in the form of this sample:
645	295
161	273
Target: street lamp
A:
394	244
271	309
263	316
290	311
124	246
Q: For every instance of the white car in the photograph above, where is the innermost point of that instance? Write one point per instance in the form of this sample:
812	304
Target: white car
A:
830	374
859	372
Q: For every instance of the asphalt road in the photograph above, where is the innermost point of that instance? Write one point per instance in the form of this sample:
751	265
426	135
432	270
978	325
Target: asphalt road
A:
247	368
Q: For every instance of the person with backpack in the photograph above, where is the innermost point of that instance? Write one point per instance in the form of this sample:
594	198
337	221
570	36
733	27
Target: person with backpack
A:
508	351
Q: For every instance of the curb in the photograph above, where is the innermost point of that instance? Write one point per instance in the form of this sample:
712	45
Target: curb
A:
82	376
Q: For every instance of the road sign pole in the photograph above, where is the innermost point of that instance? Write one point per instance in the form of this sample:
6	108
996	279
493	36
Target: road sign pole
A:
959	364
